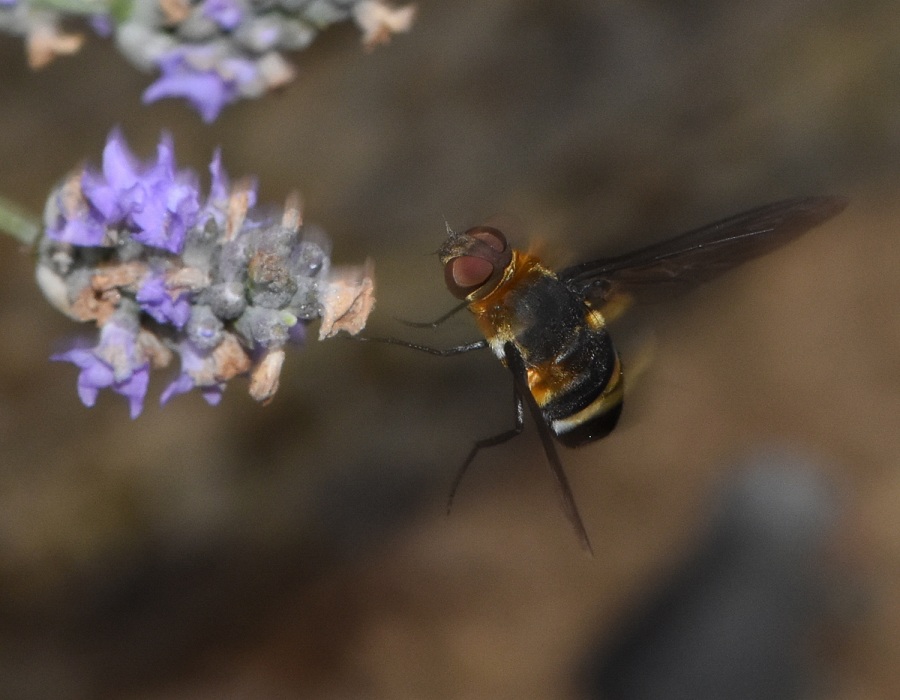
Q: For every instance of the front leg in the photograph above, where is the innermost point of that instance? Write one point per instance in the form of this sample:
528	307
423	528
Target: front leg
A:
440	352
438	321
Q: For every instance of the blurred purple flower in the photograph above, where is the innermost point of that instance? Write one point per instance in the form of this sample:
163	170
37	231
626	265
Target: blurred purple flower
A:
116	363
226	13
201	77
101	24
154	299
85	227
210	52
168	202
117	189
161	203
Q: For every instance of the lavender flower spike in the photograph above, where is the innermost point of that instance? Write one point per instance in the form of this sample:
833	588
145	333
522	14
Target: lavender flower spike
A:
131	248
215	52
209	52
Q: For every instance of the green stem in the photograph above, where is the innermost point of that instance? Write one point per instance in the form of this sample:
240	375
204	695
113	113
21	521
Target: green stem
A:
18	223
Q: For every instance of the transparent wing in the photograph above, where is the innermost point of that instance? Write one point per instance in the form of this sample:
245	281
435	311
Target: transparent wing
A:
665	269
517	366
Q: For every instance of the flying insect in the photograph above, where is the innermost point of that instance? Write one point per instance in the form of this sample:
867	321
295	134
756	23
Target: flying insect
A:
550	328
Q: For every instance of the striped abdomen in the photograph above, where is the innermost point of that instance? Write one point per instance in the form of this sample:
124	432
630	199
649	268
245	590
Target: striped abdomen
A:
579	391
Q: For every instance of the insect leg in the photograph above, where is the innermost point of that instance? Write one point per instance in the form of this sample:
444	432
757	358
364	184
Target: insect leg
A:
515	363
434	324
442	352
489	442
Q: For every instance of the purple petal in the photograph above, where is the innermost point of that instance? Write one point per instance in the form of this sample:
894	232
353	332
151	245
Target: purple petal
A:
135	389
101	24
153	291
265	36
161	203
161	228
120	167
118	346
216	207
226	13
193	364
212	394
180	311
156	226
219	187
93	377
204	75
206	91
181	385
98	373
165	157
83	231
87	393
104	198
155	300
80	357
164	203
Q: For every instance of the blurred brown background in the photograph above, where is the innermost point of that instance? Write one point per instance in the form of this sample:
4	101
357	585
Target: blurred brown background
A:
301	549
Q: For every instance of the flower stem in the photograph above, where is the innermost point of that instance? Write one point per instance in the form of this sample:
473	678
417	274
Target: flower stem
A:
17	222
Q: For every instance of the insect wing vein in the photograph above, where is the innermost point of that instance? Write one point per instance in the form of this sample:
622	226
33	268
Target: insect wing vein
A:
662	269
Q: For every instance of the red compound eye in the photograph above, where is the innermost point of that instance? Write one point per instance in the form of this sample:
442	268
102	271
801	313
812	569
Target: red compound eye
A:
473	260
494	238
467	273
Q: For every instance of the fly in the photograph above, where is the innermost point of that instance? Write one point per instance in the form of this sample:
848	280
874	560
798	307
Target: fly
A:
550	328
